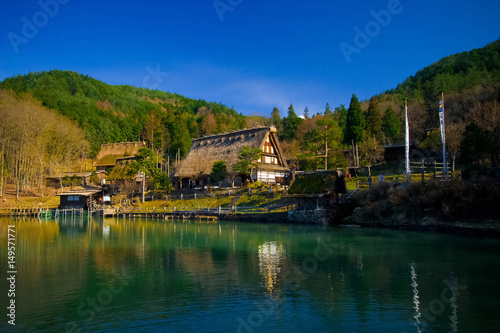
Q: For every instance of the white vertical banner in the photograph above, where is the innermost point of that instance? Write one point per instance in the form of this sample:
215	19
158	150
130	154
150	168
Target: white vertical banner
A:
443	136
407	144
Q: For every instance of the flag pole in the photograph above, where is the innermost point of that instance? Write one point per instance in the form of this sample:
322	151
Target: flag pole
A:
407	145
444	175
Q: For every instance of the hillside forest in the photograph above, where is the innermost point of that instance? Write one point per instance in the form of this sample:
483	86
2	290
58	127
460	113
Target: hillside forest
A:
54	121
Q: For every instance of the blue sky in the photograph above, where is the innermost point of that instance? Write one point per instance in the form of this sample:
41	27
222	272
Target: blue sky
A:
250	55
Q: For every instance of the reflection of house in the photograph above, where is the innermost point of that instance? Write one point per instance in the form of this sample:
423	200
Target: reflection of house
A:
311	190
83	178
80	198
111	152
271	258
196	168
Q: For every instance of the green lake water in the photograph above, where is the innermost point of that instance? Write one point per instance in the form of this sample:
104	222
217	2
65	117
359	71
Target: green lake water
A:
76	275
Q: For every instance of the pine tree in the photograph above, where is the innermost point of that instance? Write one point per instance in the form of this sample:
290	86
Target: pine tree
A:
328	110
390	124
374	118
290	124
355	122
276	120
306	113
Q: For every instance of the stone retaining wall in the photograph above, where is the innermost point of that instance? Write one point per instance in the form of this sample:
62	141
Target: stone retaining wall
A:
316	216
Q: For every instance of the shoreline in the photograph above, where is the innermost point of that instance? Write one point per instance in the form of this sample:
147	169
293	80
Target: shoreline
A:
487	229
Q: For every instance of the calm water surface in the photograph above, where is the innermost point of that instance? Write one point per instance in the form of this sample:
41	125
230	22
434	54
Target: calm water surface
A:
157	276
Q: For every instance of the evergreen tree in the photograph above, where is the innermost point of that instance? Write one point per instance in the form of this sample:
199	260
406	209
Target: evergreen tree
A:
341	113
219	172
374	118
476	145
355	122
290	124
324	138
276	120
306	113
390	124
180	138
247	160
328	110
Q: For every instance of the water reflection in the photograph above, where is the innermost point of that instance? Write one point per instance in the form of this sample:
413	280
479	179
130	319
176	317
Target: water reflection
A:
271	257
416	302
187	276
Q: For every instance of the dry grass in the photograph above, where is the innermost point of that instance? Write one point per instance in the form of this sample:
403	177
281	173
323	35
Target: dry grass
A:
451	201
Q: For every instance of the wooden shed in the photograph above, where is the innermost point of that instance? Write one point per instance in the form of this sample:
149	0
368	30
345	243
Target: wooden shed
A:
84	198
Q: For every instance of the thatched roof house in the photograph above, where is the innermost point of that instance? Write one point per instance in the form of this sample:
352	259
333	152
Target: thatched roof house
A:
196	168
110	152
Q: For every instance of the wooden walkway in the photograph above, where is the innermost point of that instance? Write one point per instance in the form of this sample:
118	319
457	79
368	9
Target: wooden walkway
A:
164	213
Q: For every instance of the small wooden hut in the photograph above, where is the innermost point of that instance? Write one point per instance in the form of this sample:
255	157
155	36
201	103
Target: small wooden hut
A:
83	198
196	167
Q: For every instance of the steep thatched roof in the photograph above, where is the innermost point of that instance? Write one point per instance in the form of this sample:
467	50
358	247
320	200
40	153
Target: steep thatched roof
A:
110	152
225	147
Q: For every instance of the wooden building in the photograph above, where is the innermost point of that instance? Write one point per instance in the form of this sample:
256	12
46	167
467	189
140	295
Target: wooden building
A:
196	167
83	198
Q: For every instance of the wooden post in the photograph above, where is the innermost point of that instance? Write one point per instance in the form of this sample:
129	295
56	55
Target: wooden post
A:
423	170
435	167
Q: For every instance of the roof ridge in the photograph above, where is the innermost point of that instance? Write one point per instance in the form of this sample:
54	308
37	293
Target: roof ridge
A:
234	132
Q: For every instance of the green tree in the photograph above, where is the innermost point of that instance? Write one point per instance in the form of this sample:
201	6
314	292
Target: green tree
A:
290	124
306	113
328	110
341	114
247	161
145	164
179	136
391	125
355	122
276	120
219	172
320	140
160	181
374	118
476	146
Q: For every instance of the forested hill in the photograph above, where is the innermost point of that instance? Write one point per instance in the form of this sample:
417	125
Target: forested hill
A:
454	73
110	113
467	79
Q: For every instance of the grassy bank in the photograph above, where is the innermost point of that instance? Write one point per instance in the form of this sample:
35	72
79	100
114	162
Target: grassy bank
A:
259	198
